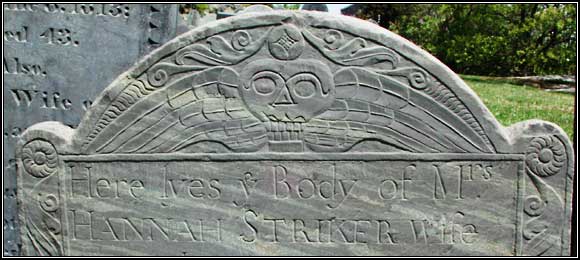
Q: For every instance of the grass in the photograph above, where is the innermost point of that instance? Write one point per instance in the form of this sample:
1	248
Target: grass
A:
513	103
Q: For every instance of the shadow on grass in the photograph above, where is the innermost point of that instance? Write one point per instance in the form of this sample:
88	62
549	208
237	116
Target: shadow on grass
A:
505	80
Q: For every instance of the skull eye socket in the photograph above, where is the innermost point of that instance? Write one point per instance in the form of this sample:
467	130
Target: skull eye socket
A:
266	82
304	85
264	85
304	88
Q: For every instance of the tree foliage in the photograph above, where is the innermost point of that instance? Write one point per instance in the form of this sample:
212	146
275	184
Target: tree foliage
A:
287	6
487	39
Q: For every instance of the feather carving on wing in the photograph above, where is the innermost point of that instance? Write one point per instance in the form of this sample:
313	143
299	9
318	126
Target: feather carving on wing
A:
369	105
196	108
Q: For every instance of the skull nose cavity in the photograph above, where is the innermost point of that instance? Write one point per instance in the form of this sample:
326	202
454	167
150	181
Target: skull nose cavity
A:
284	98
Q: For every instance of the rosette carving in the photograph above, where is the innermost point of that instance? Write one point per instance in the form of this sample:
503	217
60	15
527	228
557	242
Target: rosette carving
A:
545	156
40	158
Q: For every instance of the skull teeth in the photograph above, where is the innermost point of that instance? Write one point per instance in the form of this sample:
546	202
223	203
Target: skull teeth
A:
284	131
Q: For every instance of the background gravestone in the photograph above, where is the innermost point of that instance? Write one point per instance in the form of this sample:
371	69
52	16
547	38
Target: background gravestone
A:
57	58
293	133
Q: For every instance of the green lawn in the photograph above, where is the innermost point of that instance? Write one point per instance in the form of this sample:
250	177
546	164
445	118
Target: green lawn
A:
512	103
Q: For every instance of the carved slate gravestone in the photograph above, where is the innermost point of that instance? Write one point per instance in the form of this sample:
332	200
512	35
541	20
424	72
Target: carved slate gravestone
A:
57	58
293	133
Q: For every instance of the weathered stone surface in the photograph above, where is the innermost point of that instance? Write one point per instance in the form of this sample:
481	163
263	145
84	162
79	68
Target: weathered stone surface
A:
293	133
57	58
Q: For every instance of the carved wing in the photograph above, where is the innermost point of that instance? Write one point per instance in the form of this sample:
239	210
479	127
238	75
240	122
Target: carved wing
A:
188	98
200	107
373	105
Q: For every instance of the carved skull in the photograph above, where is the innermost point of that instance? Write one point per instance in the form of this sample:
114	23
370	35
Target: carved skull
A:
287	91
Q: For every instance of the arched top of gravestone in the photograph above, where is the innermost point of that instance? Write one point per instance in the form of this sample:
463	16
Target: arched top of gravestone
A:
256	8
289	81
315	7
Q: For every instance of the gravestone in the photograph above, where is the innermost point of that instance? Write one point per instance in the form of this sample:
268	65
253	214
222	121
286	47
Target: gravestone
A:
293	133
57	58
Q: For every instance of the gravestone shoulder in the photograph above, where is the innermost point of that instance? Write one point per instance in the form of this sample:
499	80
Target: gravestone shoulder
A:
57	58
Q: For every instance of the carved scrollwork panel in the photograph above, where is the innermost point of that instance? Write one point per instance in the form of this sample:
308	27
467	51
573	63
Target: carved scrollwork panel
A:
355	86
543	205
40	194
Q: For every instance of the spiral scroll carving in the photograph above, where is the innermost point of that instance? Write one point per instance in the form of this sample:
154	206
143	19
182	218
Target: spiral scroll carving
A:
534	206
158	77
49	202
240	40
